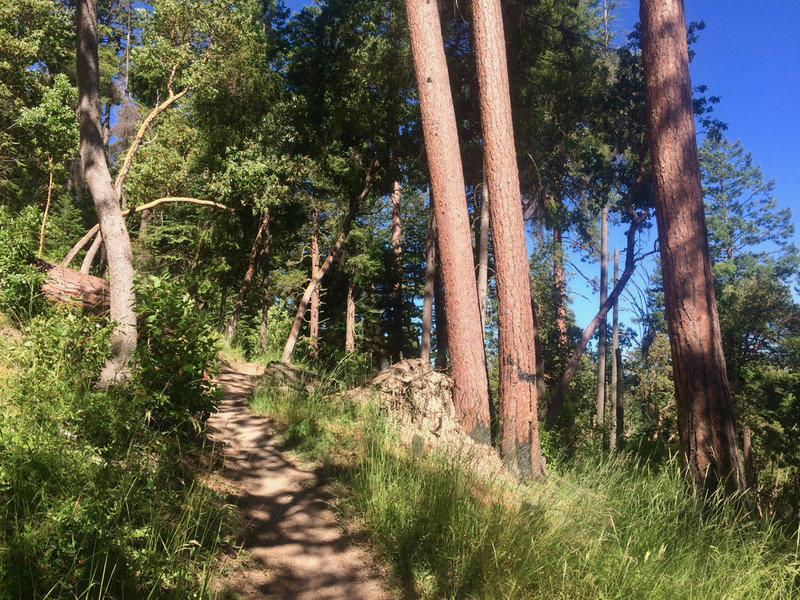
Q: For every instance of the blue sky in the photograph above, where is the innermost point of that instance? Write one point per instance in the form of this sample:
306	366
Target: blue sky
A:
749	55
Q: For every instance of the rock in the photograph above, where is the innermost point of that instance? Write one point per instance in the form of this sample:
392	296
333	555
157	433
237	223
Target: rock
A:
419	400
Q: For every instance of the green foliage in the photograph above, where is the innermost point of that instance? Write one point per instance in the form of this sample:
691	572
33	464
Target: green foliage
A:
176	354
94	503
20	296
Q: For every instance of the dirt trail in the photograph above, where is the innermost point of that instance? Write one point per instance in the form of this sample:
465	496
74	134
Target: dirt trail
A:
297	548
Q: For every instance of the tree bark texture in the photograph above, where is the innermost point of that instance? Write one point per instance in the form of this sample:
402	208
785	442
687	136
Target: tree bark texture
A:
709	444
255	251
350	318
397	287
614	363
483	251
467	359
313	311
427	296
601	344
516	349
302	306
63	284
105	197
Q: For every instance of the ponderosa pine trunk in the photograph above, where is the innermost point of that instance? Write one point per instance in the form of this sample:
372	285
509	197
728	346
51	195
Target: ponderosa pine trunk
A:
601	344
615	366
516	349
313	309
396	340
302	306
105	197
255	251
467	358
350	318
427	296
708	438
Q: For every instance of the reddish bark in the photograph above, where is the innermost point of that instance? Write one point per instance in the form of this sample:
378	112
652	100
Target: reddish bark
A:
63	284
709	444
467	360
516	348
483	250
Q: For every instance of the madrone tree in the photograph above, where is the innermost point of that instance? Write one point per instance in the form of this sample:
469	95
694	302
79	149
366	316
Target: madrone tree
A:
705	414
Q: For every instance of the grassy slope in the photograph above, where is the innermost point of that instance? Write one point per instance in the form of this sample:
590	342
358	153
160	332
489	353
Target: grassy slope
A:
596	529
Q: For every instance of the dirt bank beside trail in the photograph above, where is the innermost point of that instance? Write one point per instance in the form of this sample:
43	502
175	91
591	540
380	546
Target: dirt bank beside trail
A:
297	549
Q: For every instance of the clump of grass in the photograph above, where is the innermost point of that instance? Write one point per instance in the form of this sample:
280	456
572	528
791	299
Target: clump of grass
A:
598	528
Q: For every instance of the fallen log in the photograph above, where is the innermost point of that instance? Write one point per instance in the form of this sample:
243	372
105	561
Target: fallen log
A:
69	286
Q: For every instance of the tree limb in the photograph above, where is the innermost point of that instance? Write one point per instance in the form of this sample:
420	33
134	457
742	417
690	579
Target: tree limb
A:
169	199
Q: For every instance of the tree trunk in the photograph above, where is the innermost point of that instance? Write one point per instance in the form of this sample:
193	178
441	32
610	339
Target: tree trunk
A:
467	359
430	283
709	444
397	288
223	302
483	251
313	317
561	296
105	197
620	405
302	306
88	259
255	251
572	366
441	317
614	362
350	324
266	299
63	284
601	344
516	349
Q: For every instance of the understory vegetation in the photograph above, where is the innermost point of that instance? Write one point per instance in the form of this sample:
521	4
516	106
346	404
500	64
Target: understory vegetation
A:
104	493
616	527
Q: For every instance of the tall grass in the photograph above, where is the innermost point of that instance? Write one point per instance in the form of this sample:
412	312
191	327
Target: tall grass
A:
95	501
598	528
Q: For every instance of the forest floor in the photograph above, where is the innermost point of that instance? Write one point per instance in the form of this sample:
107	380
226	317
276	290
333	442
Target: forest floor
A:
294	545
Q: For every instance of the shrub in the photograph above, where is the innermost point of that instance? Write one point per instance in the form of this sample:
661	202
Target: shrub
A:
176	354
20	282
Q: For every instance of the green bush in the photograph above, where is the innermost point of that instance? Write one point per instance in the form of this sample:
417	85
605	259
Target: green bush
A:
176	354
20	282
94	501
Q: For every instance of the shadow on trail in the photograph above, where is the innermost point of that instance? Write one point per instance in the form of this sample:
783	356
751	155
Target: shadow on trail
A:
297	548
